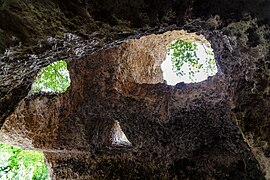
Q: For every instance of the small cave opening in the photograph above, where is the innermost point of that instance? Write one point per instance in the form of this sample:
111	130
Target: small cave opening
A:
188	62
53	78
119	138
17	163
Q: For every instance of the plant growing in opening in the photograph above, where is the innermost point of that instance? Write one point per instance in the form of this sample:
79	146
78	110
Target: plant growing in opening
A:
16	163
188	62
53	78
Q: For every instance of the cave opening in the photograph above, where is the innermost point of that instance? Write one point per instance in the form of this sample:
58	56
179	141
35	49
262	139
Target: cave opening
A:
188	62
17	163
171	57
52	78
119	138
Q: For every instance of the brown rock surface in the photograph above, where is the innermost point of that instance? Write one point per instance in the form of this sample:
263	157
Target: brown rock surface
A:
216	129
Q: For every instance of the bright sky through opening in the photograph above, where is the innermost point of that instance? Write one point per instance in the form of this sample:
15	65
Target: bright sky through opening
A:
172	79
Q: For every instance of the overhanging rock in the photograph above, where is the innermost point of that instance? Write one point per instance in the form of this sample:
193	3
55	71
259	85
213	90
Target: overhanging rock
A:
184	131
216	129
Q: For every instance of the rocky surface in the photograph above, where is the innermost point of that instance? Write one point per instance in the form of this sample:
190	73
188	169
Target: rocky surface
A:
216	129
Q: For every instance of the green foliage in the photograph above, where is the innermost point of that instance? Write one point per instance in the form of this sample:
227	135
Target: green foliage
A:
185	53
53	78
19	164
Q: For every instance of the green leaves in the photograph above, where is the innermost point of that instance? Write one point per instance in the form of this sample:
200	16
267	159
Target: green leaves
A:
53	78
184	54
17	164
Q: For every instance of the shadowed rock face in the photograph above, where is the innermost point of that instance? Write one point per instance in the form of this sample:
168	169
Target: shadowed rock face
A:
216	129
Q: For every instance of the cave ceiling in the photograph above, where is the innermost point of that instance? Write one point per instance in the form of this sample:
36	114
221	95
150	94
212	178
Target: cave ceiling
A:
215	129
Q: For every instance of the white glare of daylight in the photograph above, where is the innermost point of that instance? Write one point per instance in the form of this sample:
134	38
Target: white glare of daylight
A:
118	136
172	79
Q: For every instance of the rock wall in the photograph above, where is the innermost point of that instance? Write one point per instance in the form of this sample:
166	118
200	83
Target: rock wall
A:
216	129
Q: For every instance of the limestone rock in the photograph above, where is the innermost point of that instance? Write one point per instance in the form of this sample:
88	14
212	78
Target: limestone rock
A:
216	129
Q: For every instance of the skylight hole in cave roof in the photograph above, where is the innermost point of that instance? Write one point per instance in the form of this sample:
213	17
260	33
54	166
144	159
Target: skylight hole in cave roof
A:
188	62
53	78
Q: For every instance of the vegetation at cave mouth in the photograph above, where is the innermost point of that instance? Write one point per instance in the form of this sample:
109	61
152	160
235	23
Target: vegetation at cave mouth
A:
189	62
19	164
53	78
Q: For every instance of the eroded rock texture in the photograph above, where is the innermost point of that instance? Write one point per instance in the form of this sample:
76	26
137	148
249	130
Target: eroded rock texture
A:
216	129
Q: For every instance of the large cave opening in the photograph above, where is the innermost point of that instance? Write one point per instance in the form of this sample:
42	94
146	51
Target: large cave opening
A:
188	62
170	57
